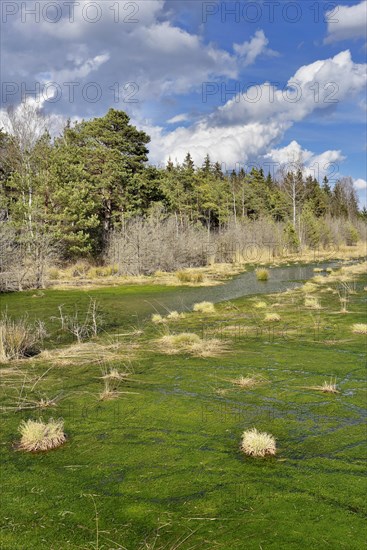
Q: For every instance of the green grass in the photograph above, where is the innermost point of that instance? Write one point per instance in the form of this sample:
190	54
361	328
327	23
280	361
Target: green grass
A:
166	453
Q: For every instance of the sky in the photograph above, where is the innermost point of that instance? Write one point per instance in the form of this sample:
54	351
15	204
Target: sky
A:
253	83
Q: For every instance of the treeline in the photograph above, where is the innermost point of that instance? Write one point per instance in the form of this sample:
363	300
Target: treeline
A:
64	197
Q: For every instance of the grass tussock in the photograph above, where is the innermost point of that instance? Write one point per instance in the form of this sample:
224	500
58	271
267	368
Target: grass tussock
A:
272	318
359	328
19	338
260	305
262	274
312	302
175	316
91	353
188	342
157	319
326	387
309	287
247	382
37	435
189	277
115	375
204	307
258	444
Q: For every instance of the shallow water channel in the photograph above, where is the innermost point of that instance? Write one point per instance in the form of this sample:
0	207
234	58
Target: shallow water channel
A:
245	284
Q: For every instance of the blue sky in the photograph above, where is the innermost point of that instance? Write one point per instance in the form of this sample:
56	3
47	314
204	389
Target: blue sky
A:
172	65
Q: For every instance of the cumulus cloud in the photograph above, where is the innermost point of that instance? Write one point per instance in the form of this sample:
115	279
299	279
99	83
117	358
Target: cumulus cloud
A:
249	51
145	48
315	165
346	22
243	130
360	184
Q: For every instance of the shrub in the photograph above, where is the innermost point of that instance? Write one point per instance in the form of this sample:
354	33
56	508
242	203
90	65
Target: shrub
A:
258	444
272	318
204	307
262	274
291	237
37	435
359	328
19	338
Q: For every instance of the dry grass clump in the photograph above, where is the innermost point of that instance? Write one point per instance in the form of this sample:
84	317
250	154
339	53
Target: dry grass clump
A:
204	307
110	391
318	270
19	338
246	382
262	274
312	302
188	342
261	305
175	316
114	374
272	318
309	287
258	444
37	435
326	387
359	328
157	319
189	277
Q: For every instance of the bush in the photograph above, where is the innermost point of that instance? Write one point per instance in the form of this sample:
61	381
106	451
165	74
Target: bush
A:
258	444
37	435
351	235
290	237
262	274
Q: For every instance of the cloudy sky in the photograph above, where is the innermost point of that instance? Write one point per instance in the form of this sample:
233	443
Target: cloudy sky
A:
253	82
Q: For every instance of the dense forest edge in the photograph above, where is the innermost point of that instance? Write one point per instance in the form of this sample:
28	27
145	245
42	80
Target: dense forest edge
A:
89	198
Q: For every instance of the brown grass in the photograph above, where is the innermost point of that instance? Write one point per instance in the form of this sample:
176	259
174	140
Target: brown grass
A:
37	435
258	444
247	382
190	343
359	328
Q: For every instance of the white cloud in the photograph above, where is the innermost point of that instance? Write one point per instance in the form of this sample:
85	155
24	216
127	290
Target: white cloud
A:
346	22
249	51
315	165
360	184
178	118
241	130
156	54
